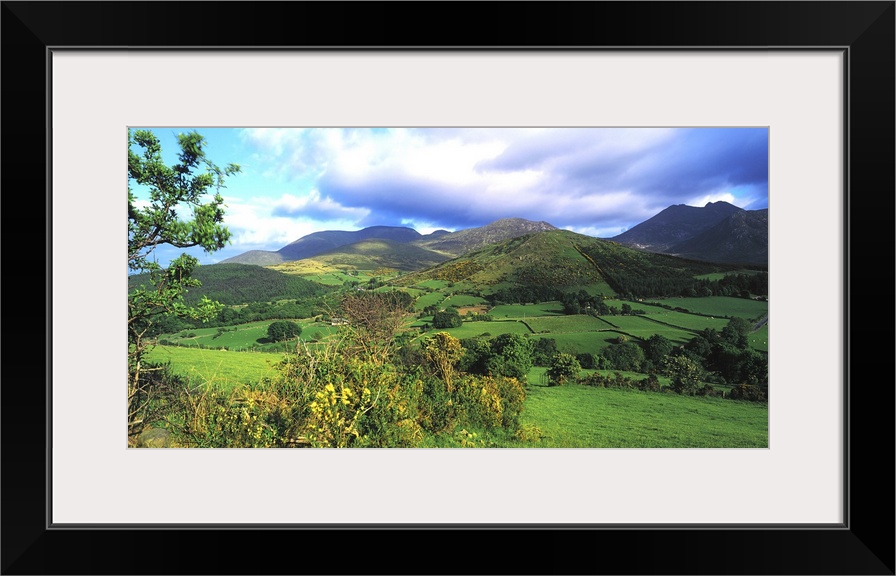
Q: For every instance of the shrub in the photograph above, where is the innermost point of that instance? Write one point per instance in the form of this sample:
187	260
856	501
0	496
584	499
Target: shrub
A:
650	384
446	319
283	330
529	433
749	392
563	367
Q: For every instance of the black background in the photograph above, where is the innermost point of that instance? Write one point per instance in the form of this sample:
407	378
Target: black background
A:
864	545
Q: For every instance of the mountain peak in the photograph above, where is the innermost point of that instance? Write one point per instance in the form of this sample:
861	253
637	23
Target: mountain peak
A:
675	224
463	241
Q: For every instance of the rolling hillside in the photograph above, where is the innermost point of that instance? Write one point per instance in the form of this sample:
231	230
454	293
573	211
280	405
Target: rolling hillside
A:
320	242
243	283
371	254
463	241
547	264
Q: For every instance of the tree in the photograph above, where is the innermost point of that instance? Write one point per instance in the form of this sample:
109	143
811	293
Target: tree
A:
283	330
624	356
563	367
511	356
544	351
735	333
684	373
173	206
447	319
657	347
374	318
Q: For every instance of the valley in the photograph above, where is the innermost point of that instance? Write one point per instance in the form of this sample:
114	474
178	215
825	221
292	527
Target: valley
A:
665	351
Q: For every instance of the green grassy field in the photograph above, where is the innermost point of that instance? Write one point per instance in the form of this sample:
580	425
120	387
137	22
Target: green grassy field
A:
566	324
687	321
721	306
643	328
472	329
527	310
221	368
582	342
233	338
464	300
649	308
244	336
431	299
759	339
576	416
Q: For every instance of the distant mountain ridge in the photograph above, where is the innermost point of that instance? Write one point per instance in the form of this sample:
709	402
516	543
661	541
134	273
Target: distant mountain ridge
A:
440	243
717	232
324	241
675	224
369	254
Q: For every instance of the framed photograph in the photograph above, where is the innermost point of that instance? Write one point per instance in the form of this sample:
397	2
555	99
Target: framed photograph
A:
817	77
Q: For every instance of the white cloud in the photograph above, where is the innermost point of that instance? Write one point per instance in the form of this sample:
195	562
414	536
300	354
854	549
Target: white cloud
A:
714	197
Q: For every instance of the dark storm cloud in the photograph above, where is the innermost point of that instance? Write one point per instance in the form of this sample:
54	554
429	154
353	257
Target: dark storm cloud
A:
583	178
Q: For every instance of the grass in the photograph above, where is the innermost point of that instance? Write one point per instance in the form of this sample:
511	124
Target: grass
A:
575	416
527	310
643	328
431	299
251	336
721	306
758	340
222	368
688	321
472	329
649	308
566	324
582	342
464	300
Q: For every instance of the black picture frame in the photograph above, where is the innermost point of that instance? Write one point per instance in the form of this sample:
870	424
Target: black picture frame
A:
864	544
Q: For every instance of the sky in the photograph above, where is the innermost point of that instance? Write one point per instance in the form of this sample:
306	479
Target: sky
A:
595	181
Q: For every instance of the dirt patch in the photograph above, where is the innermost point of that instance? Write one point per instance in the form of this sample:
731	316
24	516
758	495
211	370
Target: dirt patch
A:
474	309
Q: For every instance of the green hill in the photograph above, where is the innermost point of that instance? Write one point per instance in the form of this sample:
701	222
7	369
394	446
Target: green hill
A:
243	283
371	254
464	241
545	265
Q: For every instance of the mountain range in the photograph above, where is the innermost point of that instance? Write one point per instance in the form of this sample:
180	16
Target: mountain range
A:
717	232
439	245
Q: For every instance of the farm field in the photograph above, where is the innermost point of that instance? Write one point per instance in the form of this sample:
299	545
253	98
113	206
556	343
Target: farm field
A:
464	300
581	342
567	324
221	368
759	339
527	310
643	328
430	299
721	306
253	335
473	329
687	321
